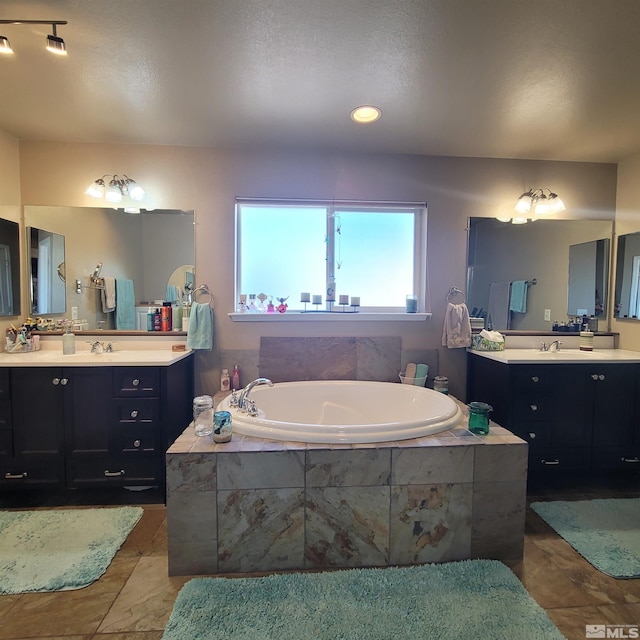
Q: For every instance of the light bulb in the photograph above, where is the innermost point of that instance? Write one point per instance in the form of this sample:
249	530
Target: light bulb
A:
524	203
113	193
136	192
96	189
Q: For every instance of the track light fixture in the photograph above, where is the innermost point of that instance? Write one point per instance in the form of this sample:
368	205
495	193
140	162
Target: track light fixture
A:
120	190
55	44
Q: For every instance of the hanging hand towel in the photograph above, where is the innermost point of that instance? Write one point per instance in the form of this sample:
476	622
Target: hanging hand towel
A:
518	297
108	294
498	308
173	293
457	326
125	305
200	329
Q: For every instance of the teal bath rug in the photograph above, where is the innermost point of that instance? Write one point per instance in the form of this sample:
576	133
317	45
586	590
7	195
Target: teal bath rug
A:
604	532
468	600
56	550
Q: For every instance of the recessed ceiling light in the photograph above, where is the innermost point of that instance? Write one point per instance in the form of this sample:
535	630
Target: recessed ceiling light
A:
365	114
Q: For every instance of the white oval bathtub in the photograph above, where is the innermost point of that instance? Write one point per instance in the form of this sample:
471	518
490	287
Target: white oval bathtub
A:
345	411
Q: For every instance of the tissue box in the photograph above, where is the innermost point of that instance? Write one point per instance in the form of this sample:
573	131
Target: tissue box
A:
482	344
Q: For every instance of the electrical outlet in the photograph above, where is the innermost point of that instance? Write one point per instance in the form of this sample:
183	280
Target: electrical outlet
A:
547	315
74	313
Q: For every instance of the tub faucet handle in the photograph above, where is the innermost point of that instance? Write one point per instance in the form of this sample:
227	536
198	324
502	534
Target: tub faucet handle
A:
234	401
251	408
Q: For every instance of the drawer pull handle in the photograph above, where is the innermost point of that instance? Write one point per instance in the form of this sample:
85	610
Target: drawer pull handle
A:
534	407
601	377
631	460
135	382
136	443
532	435
594	376
551	462
15	476
63	381
134	413
56	381
535	379
113	474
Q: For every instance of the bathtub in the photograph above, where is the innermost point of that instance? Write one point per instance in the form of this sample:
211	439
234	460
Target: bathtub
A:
345	411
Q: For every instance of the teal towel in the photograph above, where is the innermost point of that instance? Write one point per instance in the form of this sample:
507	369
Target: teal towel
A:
421	372
125	304
173	293
518	297
200	329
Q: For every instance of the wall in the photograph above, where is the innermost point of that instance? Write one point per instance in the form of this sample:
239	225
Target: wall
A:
627	221
208	180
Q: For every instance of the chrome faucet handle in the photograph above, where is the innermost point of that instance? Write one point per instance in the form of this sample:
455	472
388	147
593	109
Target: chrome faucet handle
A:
234	401
108	348
544	346
557	344
251	408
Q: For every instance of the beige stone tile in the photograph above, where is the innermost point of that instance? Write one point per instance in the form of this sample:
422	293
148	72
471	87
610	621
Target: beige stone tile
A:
140	539
146	600
431	465
571	621
270	470
159	542
348	468
135	635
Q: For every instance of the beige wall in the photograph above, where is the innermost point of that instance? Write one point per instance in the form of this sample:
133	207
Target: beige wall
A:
208	180
628	221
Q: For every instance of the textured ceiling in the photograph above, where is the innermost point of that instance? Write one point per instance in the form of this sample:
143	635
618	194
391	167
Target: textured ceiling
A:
540	79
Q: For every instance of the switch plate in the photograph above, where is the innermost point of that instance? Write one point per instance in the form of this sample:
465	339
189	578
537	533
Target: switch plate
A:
74	313
547	315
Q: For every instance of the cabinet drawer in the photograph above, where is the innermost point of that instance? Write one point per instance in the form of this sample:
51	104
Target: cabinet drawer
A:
535	433
16	473
532	407
617	458
532	378
4	384
559	460
136	382
110	472
136	440
138	411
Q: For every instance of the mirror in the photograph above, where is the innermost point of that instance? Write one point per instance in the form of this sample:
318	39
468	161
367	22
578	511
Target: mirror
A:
9	268
145	248
181	282
539	251
627	289
588	278
46	272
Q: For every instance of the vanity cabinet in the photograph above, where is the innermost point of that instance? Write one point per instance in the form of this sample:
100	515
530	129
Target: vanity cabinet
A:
575	417
95	426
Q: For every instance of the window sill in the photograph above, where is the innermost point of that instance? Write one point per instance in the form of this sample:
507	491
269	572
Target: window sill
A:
297	316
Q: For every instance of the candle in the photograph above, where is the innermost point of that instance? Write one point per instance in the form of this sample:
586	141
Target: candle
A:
344	299
305	297
317	299
355	301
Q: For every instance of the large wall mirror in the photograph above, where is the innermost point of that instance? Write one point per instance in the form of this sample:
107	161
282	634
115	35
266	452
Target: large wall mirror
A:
146	248
627	283
9	268
564	262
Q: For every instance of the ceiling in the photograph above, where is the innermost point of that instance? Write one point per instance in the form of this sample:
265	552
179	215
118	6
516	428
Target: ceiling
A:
537	79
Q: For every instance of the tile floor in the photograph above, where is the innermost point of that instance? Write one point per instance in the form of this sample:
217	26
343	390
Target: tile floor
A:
134	598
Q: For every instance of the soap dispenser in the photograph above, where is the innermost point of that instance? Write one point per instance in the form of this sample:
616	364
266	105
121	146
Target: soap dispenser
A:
68	341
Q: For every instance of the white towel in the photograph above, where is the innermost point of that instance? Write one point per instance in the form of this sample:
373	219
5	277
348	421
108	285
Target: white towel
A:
457	326
108	294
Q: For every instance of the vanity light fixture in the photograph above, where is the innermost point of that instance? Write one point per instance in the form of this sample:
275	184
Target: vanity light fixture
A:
539	202
55	44
120	189
366	114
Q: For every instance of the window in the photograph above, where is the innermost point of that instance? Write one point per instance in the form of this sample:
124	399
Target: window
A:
375	251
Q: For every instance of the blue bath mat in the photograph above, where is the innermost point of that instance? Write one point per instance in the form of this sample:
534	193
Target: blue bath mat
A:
605	532
469	600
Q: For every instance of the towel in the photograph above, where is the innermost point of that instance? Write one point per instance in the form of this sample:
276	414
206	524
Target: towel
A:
108	294
125	304
173	294
518	297
457	326
200	329
498	309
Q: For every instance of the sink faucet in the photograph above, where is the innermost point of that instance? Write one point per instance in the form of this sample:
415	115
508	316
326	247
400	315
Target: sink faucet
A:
101	347
557	344
244	396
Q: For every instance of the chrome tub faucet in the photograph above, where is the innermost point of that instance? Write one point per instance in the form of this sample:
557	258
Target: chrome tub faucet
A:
243	400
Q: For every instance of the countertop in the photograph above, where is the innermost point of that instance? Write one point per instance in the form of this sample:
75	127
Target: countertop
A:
158	357
564	356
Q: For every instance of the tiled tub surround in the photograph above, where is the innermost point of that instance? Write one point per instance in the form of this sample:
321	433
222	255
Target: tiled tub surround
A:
255	505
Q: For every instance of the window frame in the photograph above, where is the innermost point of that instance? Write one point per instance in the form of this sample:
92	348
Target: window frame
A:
418	209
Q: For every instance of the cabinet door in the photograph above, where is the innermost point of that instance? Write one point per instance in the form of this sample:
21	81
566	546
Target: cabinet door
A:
38	435
572	406
613	387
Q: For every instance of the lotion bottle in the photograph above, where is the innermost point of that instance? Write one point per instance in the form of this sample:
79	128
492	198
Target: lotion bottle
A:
68	341
225	381
235	378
